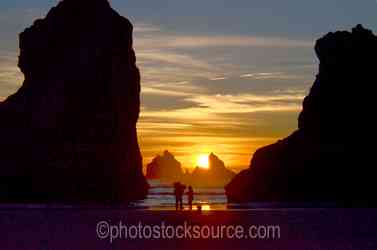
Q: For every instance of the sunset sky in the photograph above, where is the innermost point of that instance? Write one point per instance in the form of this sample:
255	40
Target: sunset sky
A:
217	76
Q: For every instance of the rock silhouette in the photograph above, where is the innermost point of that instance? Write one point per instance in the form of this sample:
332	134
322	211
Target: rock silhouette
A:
217	175
69	133
327	158
165	168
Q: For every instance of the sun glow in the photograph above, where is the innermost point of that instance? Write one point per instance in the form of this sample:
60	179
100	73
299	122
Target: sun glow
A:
203	161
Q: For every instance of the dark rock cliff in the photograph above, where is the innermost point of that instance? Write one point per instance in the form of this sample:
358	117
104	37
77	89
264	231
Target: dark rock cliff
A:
329	157
69	133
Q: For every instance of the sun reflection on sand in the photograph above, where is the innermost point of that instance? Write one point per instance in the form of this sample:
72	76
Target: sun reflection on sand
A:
204	207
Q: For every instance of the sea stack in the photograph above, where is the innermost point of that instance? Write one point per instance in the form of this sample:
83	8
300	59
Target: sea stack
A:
328	158
69	133
217	175
165	168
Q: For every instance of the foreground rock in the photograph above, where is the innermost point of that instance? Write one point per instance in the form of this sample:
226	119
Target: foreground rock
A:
328	158
69	133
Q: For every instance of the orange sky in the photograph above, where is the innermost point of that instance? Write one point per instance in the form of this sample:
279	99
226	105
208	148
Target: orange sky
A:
187	140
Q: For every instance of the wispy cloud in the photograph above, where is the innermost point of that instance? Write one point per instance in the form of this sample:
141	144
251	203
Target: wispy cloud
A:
176	59
248	103
208	106
173	68
256	75
270	75
145	28
200	41
165	92
218	78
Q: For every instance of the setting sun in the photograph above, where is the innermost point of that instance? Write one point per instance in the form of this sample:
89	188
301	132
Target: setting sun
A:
203	161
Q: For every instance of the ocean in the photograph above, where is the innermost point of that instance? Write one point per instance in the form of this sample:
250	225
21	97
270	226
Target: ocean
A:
161	197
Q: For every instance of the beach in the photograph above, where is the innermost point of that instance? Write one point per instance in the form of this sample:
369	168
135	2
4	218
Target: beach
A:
80	228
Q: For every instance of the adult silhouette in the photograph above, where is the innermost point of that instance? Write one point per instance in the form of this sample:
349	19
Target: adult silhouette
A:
179	190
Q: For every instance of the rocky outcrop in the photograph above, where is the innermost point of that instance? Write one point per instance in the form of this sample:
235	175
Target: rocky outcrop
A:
165	168
217	175
69	133
328	158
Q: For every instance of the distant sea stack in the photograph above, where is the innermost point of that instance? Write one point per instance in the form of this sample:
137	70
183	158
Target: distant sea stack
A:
168	169
69	133
165	168
328	158
217	175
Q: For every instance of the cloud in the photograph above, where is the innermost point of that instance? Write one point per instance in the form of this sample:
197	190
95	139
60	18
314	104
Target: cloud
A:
211	107
256	75
200	41
270	75
248	103
246	75
218	78
174	69
163	92
145	28
176	59
237	41
194	60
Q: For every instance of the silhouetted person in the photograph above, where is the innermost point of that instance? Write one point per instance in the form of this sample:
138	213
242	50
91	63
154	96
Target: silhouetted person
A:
190	196
179	190
199	208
